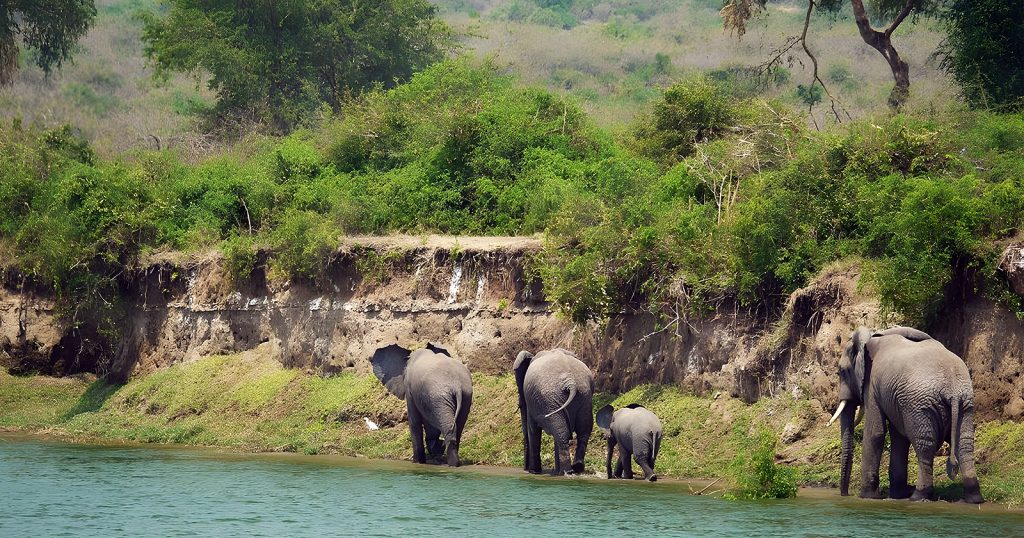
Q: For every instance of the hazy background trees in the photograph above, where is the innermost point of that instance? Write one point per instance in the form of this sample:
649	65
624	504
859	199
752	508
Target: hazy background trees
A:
49	28
277	61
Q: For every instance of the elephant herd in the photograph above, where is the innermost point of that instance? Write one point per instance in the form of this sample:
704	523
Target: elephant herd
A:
903	382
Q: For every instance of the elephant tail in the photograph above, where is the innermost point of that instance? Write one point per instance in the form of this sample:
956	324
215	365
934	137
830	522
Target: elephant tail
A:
953	461
571	385
449	437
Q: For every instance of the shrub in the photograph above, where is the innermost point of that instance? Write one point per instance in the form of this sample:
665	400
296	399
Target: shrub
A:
758	476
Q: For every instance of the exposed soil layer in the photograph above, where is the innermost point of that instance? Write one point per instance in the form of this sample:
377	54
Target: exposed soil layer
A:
477	297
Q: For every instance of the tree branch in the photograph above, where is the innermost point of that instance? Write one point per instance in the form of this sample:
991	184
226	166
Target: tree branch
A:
907	8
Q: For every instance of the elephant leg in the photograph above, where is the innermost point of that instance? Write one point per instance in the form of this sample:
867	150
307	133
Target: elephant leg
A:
972	490
558	426
584	429
646	464
533	450
608	458
618	465
416	433
925	450
899	453
526	437
434	445
454	444
627	463
871	454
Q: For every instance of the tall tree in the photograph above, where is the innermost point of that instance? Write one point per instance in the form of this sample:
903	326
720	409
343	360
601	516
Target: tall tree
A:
984	51
277	60
50	28
736	13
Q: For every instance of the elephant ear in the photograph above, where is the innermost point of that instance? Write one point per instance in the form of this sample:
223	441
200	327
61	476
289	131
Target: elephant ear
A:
437	349
909	333
521	364
861	361
604	420
389	366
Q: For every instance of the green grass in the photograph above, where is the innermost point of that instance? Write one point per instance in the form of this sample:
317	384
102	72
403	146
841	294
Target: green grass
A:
250	402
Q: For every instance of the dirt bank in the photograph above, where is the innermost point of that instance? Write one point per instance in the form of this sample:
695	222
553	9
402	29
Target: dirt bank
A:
477	296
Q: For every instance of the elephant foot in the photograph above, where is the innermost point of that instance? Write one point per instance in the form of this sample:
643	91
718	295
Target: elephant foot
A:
900	492
577	467
534	471
652	478
972	491
922	495
870	494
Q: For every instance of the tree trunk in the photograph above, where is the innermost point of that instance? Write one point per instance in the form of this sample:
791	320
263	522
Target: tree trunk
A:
882	42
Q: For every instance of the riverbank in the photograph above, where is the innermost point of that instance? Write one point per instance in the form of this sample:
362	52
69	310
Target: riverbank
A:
249	402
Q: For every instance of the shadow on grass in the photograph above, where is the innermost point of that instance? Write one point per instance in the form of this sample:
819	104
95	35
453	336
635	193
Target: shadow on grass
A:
93	398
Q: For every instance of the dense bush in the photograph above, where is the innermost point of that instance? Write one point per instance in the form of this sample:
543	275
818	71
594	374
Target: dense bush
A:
758	476
723	197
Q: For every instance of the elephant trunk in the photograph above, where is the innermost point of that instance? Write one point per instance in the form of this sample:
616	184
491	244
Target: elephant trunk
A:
846	424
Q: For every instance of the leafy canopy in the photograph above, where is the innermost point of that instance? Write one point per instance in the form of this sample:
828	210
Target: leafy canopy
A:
984	51
279	60
50	28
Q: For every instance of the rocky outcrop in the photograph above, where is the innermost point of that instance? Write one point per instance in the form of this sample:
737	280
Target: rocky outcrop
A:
475	295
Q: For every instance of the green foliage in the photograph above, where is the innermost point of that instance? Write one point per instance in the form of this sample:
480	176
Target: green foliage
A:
810	95
303	243
758	476
240	257
983	51
279	61
691	112
48	28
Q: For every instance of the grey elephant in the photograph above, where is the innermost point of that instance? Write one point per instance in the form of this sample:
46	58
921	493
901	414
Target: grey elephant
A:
438	392
556	396
911	385
638	433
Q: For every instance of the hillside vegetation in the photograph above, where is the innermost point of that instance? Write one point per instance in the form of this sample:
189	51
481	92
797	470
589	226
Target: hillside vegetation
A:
724	196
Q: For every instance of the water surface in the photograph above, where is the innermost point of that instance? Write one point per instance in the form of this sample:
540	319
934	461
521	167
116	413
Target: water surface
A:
57	489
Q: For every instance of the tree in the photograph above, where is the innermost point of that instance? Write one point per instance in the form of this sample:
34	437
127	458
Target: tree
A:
984	51
50	28
278	60
736	13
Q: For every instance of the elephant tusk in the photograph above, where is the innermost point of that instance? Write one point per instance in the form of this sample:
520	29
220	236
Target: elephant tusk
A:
860	415
839	411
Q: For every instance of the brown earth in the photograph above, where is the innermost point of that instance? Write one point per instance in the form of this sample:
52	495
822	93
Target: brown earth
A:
475	296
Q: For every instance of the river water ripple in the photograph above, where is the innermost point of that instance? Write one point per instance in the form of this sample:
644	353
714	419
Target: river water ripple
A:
57	489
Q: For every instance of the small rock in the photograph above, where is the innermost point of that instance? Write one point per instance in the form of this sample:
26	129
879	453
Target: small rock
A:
1015	408
717	395
797	392
791	433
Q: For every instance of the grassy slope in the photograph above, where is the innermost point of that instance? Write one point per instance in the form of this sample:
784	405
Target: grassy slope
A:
250	402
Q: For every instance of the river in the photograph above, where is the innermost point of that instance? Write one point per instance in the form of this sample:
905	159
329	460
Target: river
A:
59	489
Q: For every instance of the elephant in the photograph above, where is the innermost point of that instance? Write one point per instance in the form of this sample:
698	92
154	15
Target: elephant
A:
555	395
438	392
638	433
908	383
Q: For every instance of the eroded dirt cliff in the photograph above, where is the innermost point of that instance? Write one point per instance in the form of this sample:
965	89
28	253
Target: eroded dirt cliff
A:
477	296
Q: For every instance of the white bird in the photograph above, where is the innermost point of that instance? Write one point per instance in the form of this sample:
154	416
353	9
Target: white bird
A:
370	425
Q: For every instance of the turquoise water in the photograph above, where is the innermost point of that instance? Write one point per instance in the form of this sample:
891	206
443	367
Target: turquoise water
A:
55	489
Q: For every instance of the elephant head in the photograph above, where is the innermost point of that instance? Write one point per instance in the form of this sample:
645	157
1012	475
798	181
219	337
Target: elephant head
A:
854	368
389	364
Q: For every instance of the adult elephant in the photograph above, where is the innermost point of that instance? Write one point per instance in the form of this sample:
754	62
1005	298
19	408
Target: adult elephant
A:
911	385
556	396
438	392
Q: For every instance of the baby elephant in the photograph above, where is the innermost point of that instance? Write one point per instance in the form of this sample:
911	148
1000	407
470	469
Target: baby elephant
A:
638	432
